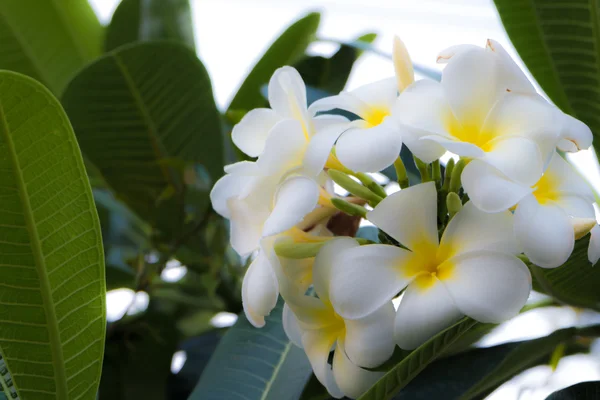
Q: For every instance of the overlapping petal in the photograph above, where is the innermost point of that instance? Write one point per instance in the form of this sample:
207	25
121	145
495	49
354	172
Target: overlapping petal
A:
323	265
594	246
317	345
352	380
250	134
259	290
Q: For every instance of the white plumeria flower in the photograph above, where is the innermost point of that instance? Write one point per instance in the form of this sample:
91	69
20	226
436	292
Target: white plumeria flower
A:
549	214
261	287
313	324
473	113
372	143
472	271
574	136
594	246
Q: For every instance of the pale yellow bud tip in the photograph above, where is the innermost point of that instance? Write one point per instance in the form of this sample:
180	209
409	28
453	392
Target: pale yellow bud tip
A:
582	226
403	67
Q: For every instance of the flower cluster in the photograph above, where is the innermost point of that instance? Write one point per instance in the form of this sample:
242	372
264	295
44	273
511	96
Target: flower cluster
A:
454	246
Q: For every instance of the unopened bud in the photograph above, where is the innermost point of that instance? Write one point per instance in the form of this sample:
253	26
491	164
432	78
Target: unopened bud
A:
453	204
349	208
423	170
448	175
354	187
455	182
401	175
287	248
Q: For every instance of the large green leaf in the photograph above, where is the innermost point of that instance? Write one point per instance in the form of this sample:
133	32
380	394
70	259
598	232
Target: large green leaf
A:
575	283
580	391
559	41
142	113
331	73
144	20
253	363
48	40
286	50
52	292
414	362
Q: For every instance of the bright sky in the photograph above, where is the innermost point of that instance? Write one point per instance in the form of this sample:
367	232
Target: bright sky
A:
232	34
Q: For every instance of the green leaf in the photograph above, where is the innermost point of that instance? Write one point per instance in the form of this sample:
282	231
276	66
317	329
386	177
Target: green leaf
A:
253	363
48	40
574	283
414	362
559	41
330	74
52	292
580	391
161	109
145	20
286	50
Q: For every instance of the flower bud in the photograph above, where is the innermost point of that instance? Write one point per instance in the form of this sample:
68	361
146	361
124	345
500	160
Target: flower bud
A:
349	208
453	203
354	187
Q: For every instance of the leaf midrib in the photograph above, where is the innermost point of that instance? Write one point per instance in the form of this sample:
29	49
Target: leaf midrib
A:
40	264
276	371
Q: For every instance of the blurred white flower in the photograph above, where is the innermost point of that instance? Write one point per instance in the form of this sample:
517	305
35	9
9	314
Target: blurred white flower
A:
373	142
473	271
313	324
549	214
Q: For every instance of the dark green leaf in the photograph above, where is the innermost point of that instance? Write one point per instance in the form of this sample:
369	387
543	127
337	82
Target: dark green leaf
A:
161	109
255	363
145	20
330	74
558	41
574	283
48	40
138	357
413	363
286	50
52	290
581	391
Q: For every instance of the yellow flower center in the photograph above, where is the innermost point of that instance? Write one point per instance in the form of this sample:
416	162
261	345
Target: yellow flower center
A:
427	262
469	133
375	115
546	189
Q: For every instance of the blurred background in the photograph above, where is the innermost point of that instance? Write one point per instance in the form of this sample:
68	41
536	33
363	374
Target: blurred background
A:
232	34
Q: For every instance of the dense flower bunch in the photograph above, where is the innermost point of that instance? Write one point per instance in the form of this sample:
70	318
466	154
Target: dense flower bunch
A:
454	244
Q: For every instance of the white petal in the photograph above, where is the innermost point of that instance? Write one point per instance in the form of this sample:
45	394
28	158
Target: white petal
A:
489	286
470	81
424	106
246	225
352	380
576	132
528	116
321	143
425	150
343	101
473	230
250	134
225	188
489	190
381	94
259	290
296	197
576	206
445	55
403	66
463	149
409	216
511	76
372	149
370	340
323	265
594	247
423	313
317	346
287	94
567	179
544	232
290	326
365	278
284	148
567	146
247	168
518	158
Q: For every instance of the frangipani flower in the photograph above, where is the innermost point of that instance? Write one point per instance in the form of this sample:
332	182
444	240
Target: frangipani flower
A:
548	213
260	287
473	113
313	324
574	136
472	271
373	142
